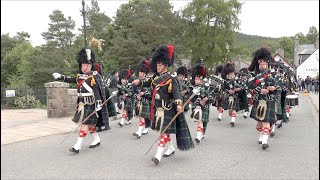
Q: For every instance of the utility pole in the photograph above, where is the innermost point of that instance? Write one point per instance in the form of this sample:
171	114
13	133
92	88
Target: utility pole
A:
84	15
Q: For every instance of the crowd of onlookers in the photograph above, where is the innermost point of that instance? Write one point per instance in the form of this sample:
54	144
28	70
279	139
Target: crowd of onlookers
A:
309	84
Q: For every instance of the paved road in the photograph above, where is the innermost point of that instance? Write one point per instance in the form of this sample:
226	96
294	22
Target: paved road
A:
226	153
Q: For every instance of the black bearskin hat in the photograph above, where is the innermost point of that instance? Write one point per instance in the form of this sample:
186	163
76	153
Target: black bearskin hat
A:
244	71
259	55
228	68
199	70
83	57
218	70
164	54
144	66
183	71
125	74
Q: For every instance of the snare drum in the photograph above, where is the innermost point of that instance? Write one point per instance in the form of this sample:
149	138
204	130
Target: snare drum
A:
292	100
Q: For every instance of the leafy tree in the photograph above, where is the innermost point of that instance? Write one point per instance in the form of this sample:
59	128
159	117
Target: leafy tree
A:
302	38
139	26
10	62
59	34
287	45
22	36
100	24
7	44
211	27
312	35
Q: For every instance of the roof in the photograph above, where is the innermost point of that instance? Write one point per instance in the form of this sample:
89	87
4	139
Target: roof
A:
282	59
307	51
303	47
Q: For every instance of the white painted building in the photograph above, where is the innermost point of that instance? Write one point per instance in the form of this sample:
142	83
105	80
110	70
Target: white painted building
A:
279	58
310	67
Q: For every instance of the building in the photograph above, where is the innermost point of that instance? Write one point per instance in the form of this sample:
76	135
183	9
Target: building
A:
302	52
279	57
309	67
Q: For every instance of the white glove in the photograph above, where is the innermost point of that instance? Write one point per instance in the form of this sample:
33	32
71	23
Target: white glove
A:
56	75
98	105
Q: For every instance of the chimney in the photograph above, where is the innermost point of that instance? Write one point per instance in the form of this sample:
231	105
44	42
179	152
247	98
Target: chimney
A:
317	43
280	52
295	55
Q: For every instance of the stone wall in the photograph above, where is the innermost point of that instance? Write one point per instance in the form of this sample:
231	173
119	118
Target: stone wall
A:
57	99
72	101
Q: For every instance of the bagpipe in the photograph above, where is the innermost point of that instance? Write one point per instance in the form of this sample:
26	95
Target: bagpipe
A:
125	89
202	94
215	86
257	83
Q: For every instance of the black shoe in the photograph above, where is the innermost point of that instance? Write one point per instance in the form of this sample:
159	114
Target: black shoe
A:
245	116
260	142
272	134
155	160
137	135
167	155
74	150
232	124
280	125
120	124
197	140
265	146
219	119
93	146
107	128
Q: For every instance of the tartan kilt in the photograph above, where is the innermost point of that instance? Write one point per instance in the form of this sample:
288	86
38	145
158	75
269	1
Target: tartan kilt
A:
168	115
243	101
183	136
88	109
205	114
110	104
270	116
145	109
236	103
111	108
128	106
278	107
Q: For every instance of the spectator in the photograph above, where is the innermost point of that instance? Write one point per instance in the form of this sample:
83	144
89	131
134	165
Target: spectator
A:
299	84
308	83
303	84
316	85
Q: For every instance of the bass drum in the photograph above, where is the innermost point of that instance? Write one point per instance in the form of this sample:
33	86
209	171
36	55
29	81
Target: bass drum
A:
292	100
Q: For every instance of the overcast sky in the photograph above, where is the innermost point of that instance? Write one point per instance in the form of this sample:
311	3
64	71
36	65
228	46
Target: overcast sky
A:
264	18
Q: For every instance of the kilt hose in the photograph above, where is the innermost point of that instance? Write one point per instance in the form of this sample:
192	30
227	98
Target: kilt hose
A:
178	127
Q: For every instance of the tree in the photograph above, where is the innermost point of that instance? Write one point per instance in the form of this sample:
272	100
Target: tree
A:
22	36
287	45
11	61
100	23
312	35
302	38
7	44
140	26
59	34
37	66
211	26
